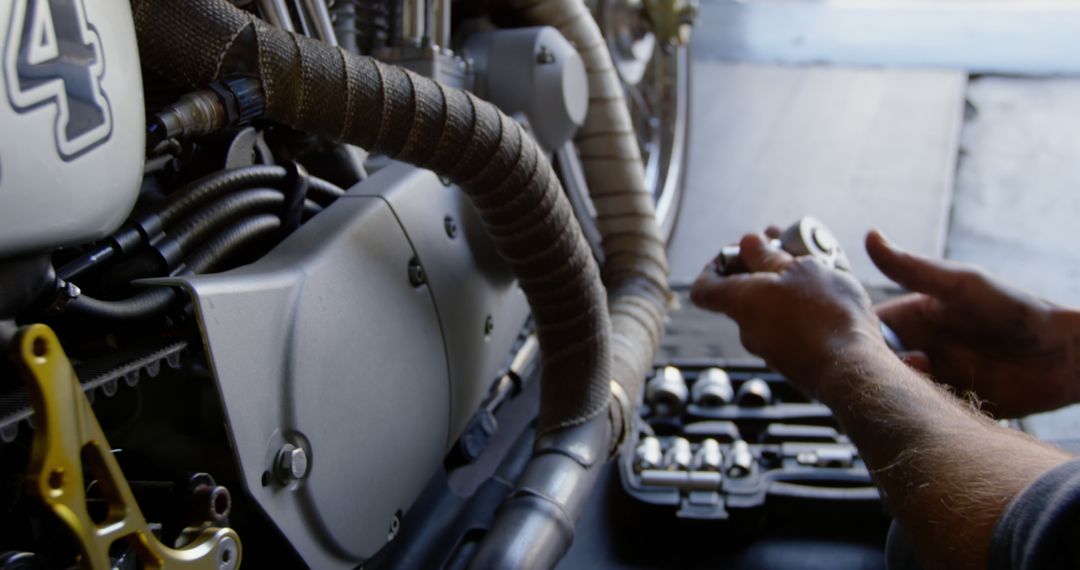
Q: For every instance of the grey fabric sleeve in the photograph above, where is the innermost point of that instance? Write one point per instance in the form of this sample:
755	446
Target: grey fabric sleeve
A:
1041	526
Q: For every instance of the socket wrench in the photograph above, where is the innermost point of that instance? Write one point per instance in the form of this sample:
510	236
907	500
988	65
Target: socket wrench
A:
808	236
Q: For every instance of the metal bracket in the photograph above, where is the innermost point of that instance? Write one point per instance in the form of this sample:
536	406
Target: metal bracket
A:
67	437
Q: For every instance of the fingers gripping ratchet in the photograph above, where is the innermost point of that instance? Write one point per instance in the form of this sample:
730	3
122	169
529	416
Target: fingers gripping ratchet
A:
806	237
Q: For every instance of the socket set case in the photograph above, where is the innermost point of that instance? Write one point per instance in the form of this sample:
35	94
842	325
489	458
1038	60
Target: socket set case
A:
713	439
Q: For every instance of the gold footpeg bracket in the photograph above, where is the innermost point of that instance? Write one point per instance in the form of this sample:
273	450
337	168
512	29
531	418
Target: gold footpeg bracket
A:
67	438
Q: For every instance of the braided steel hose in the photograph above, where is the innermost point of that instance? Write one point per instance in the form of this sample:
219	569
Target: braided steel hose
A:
317	88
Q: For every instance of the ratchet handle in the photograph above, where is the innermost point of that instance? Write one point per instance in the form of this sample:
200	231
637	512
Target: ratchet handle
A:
808	236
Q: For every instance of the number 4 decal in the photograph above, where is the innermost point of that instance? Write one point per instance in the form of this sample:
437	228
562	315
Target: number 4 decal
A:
53	57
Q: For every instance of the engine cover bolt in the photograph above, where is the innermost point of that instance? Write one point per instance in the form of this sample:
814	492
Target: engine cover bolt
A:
395	527
292	463
450	226
416	273
545	56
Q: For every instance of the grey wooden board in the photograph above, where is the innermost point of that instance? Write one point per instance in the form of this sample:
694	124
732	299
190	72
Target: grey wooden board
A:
858	148
1017	198
987	36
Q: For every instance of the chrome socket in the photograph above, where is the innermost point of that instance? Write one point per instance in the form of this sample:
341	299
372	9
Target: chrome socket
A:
648	454
678	456
666	393
754	393
742	460
708	456
713	389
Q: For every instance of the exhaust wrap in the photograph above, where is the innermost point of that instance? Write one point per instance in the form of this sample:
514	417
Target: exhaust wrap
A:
317	88
635	268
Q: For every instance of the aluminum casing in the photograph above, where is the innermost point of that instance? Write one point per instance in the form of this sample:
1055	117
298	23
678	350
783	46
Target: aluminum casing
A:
327	343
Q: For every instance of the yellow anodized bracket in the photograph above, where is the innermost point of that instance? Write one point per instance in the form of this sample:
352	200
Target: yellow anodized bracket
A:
67	436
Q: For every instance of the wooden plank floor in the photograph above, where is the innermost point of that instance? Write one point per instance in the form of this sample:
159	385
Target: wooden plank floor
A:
858	148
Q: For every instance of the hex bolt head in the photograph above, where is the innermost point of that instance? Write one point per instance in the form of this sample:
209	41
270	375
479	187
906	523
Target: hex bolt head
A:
416	273
450	226
292	463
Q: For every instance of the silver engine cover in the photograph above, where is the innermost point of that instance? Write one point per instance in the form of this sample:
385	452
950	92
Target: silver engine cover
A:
72	122
327	343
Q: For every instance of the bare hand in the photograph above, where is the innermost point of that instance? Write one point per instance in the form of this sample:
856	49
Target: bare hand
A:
802	317
1016	352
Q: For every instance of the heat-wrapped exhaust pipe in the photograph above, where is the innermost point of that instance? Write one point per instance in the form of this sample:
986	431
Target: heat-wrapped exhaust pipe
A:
635	268
314	87
317	88
529	532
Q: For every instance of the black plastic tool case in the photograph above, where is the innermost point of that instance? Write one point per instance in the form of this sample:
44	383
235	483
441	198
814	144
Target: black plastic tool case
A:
798	453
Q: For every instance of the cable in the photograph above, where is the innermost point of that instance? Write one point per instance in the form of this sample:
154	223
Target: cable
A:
154	301
140	306
189	198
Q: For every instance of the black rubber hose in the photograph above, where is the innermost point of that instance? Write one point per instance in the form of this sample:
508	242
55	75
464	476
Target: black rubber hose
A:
144	228
154	301
209	221
219	249
208	188
189	199
323	192
140	306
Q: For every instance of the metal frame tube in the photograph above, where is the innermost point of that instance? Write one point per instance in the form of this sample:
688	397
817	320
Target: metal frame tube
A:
439	21
277	13
413	15
317	18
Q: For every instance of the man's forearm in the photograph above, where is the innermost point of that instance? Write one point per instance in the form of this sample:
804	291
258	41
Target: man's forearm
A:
946	471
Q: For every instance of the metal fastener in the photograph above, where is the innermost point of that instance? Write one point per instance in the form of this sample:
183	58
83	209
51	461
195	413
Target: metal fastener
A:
450	226
545	56
292	463
395	527
416	273
489	325
208	502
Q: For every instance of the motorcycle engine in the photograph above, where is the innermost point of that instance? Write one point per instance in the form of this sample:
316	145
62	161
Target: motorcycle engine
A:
256	313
